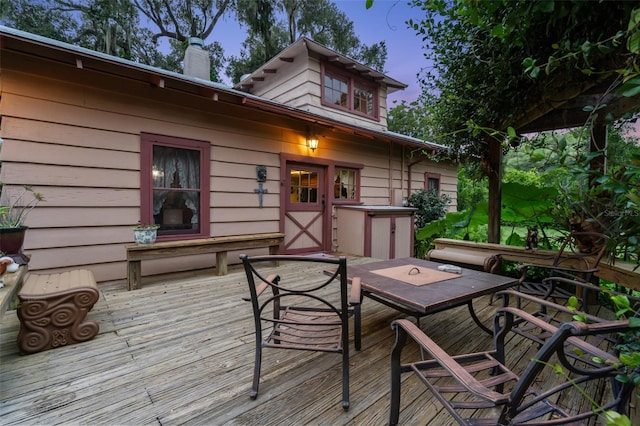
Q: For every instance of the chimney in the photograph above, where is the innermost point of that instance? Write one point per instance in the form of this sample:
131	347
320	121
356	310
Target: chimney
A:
196	60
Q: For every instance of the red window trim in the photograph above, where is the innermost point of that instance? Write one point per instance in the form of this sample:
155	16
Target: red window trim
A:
358	169
429	175
147	140
352	81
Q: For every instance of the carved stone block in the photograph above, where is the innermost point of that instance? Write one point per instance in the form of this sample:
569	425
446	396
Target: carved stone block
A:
53	309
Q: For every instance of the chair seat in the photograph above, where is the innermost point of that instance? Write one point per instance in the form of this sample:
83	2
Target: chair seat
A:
307	330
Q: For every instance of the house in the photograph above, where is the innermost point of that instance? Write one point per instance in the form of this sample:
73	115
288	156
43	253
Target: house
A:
111	143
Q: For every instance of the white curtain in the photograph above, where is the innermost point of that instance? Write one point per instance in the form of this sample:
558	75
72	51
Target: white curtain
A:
166	161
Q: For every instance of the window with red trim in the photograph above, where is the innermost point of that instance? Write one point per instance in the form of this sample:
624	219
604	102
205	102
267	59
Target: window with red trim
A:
345	184
432	182
343	90
174	186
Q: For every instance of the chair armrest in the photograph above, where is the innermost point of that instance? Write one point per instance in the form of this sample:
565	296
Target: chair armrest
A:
575	341
355	294
263	286
523	270
456	370
544	303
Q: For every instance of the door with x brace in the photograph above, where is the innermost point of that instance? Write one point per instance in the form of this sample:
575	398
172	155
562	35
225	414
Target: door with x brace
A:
305	209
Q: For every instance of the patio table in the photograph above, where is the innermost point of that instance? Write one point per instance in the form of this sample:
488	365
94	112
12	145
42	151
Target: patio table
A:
416	287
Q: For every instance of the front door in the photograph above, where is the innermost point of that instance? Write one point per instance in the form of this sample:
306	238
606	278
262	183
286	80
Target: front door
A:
305	208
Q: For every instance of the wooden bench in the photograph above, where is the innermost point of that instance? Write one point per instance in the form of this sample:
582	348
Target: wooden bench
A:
218	245
466	258
53	309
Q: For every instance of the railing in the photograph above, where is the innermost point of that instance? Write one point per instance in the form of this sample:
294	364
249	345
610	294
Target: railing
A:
623	273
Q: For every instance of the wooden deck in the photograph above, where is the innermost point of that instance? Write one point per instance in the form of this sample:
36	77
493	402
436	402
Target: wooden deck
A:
180	351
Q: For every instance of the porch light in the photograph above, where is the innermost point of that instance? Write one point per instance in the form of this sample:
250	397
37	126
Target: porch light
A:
312	141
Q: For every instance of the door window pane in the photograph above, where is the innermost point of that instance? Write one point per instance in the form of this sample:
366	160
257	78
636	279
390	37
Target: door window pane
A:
304	186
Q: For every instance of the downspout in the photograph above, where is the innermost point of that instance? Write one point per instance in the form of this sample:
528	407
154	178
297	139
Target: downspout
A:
409	174
390	173
402	171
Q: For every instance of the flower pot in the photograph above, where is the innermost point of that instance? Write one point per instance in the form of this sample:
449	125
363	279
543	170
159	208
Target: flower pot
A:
11	240
145	236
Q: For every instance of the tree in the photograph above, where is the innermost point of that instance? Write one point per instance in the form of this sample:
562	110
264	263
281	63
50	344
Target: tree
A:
38	18
107	26
179	20
319	20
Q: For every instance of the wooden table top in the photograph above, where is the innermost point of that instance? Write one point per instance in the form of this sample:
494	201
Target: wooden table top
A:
429	298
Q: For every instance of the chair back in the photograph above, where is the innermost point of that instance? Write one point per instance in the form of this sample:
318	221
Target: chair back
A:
303	306
583	249
567	350
315	284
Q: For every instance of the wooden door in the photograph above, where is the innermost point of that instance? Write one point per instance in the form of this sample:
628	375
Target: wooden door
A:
305	220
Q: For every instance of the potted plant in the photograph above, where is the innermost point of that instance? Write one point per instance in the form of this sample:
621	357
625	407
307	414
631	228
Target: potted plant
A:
13	212
145	234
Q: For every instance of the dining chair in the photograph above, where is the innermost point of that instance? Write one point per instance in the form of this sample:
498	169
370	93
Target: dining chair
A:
489	388
297	305
577	259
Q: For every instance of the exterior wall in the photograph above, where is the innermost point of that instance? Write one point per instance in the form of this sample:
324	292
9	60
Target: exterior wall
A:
298	85
80	147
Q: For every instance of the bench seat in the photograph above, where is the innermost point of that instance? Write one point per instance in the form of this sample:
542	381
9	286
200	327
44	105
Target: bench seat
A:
53	309
218	245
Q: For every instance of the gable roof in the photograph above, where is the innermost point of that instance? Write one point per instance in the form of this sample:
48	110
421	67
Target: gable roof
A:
53	50
305	45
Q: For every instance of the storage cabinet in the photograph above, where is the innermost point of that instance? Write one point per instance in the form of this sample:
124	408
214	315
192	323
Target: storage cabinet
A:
381	232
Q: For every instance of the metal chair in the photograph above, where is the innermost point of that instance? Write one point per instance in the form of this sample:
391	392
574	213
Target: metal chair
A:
305	309
480	389
577	259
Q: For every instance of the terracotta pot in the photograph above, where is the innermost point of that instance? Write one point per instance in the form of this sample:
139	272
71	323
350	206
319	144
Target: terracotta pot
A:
3	265
11	240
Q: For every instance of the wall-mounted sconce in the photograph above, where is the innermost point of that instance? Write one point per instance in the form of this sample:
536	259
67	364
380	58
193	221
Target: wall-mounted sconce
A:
312	141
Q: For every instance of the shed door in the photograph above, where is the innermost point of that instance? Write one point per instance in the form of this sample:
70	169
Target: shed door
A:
305	209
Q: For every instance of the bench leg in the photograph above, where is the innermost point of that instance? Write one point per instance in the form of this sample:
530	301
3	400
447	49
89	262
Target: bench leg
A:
134	274
273	251
221	263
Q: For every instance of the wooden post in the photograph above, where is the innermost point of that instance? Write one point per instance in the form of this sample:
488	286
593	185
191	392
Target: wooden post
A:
598	142
494	172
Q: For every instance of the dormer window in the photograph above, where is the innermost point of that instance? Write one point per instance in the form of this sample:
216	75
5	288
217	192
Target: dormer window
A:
349	92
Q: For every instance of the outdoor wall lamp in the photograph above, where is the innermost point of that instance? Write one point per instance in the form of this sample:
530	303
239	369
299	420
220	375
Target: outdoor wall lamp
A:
312	141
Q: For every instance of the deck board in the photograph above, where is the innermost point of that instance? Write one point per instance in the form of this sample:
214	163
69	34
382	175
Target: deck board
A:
180	351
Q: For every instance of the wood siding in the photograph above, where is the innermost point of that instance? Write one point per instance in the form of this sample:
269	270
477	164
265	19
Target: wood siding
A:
74	135
299	86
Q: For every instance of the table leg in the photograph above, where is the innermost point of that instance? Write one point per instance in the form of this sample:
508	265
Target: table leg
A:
476	319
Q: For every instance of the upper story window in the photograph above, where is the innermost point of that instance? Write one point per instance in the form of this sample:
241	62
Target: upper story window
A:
349	92
174	186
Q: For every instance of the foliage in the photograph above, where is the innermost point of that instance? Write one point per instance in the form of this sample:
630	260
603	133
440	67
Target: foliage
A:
320	20
627	346
38	18
409	119
486	53
471	190
14	211
430	205
141	227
